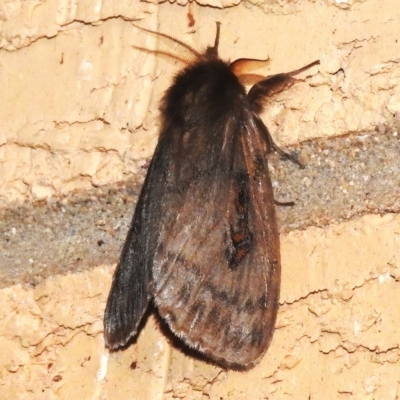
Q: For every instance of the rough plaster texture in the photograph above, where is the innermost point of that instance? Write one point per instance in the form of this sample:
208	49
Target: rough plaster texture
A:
337	333
79	109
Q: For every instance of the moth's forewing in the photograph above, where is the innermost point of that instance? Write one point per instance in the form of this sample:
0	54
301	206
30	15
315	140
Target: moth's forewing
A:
216	270
131	289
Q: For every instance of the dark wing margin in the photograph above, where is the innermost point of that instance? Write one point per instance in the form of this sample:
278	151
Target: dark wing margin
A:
131	288
217	268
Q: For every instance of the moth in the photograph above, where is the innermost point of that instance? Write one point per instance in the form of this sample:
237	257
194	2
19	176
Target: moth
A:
203	244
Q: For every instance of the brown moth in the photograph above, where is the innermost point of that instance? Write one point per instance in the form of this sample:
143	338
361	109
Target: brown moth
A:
204	243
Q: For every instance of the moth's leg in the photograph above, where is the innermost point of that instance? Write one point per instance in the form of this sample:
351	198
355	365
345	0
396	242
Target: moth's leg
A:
271	85
292	156
272	146
297	71
284	204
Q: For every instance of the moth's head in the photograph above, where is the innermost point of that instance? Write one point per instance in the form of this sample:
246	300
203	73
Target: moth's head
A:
242	68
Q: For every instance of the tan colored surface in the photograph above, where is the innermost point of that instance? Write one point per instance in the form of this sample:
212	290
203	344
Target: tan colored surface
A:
80	105
79	108
337	333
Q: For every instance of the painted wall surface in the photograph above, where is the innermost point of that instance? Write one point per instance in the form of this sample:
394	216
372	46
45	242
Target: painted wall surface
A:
79	108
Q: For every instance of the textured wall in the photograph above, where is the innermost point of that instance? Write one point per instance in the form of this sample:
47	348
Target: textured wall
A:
79	109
